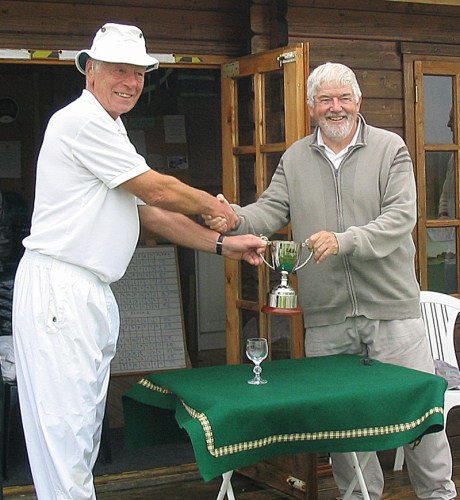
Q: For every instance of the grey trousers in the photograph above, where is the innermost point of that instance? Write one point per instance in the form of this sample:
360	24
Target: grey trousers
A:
404	343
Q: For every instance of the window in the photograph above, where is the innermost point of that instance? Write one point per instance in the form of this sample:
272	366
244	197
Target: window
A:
437	127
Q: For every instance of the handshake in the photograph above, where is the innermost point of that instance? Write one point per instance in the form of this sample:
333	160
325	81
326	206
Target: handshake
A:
246	247
224	222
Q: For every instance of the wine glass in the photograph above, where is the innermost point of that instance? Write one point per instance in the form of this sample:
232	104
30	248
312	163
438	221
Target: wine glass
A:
257	351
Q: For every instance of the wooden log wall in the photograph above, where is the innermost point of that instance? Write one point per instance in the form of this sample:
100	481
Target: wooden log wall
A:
374	20
170	26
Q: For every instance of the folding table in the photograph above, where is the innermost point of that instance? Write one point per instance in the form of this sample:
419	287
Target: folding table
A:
310	405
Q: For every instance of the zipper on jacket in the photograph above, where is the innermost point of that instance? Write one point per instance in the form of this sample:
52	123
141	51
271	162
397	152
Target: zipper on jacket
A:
340	224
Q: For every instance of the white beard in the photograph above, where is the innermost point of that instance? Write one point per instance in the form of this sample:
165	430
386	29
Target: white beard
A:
336	131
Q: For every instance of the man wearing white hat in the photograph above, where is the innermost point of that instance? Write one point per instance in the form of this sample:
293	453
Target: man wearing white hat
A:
91	189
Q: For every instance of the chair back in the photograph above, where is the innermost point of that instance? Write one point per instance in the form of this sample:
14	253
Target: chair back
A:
439	313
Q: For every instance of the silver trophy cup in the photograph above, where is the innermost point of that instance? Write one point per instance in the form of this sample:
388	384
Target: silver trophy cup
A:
285	257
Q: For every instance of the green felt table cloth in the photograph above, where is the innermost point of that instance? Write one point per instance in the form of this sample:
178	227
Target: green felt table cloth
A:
324	404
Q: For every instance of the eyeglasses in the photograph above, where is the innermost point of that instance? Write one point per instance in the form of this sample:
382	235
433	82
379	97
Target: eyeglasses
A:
344	100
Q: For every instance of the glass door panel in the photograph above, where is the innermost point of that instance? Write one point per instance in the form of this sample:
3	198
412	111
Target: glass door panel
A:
437	172
246	179
272	160
249	283
246	119
437	109
274	107
440	185
441	262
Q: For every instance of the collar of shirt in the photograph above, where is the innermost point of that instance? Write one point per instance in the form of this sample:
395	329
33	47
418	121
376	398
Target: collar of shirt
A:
336	158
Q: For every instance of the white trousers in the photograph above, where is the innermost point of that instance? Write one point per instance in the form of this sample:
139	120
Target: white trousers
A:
65	329
403	343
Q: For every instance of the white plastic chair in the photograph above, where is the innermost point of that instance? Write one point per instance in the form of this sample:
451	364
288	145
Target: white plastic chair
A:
439	313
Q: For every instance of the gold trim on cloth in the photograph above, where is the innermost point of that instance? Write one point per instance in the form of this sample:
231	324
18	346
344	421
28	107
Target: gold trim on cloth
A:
301	436
291	437
153	387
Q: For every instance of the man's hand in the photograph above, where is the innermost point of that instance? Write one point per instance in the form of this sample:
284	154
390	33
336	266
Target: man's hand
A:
221	224
244	247
323	244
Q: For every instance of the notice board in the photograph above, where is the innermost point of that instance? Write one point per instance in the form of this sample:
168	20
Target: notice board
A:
151	318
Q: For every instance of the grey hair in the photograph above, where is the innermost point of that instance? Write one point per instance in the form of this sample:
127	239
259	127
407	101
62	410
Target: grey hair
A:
331	72
95	64
91	64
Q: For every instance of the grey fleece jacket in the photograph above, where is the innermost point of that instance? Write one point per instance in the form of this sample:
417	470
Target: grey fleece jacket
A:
369	202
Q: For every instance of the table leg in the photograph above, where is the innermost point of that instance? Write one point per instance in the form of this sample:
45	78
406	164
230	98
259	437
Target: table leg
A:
358	477
226	487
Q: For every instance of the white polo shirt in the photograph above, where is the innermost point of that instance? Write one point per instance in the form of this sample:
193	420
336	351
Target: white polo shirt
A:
81	215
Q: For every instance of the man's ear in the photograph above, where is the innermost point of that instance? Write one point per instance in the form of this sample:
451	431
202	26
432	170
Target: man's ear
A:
89	69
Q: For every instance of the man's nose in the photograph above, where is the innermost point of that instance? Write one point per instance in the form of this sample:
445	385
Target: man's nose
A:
336	103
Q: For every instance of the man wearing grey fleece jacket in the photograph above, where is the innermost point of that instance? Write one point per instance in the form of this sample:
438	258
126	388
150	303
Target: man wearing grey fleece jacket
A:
349	190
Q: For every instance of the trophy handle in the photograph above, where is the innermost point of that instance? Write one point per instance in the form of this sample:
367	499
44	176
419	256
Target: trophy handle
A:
271	266
304	244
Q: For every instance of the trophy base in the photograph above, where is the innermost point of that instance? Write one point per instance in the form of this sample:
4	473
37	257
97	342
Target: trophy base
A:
280	311
283	297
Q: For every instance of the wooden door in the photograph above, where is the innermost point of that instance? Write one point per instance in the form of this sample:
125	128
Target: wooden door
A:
437	132
264	111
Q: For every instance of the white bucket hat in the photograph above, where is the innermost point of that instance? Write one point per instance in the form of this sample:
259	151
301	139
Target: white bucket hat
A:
117	43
